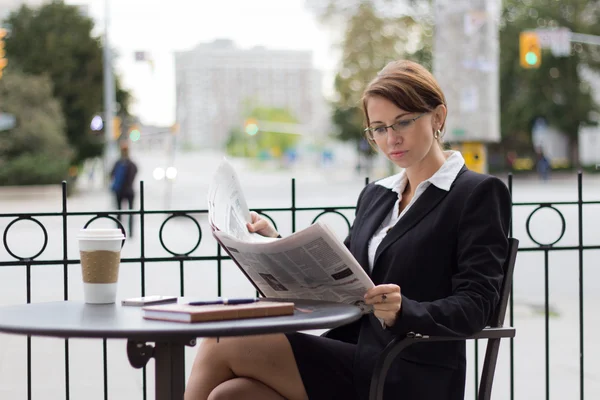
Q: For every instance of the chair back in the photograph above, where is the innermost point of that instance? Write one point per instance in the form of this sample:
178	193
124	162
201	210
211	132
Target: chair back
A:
497	319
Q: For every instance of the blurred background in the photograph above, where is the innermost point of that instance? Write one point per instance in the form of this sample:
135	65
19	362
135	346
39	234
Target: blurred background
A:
278	83
274	85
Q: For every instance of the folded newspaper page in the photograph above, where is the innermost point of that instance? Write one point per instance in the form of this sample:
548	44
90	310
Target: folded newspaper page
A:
309	264
227	208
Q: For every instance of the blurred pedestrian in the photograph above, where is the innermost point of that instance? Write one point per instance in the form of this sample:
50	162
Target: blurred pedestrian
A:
543	165
123	174
511	157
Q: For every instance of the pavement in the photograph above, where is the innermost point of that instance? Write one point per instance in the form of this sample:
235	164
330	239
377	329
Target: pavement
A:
336	185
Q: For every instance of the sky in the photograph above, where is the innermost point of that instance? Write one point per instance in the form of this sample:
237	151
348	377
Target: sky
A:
162	27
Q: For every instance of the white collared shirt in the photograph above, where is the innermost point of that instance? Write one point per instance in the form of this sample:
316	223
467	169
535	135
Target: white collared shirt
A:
443	179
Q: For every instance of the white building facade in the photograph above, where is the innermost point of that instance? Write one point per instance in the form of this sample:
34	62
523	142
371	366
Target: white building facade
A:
216	82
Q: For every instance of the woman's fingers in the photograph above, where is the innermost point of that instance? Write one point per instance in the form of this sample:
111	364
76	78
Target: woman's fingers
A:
257	226
260	225
389	297
379	290
254	216
386	306
387	302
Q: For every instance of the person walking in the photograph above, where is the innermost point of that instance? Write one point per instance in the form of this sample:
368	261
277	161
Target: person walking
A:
123	174
543	165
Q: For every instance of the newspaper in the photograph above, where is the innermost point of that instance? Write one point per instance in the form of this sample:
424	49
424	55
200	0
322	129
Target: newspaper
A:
227	208
309	264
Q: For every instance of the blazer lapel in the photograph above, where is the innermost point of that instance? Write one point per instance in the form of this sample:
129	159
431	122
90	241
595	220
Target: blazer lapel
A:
424	204
371	220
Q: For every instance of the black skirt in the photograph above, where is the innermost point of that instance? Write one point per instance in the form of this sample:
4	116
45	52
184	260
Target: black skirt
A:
327	369
325	365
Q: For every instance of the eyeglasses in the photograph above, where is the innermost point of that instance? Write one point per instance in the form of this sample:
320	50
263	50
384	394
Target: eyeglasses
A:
379	132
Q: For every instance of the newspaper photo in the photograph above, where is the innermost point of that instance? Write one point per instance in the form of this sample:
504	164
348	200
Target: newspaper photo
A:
309	264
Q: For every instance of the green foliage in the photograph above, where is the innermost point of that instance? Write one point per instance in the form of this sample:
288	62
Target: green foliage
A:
56	40
555	91
376	32
276	143
237	143
275	140
36	150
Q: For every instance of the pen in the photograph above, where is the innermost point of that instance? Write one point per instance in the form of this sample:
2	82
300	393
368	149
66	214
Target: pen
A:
223	301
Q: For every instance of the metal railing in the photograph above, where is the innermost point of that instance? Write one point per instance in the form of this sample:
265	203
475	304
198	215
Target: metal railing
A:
182	257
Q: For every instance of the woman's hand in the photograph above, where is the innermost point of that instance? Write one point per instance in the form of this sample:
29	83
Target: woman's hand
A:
386	301
261	226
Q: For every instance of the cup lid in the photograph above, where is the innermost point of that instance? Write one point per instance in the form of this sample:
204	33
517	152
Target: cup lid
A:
100	234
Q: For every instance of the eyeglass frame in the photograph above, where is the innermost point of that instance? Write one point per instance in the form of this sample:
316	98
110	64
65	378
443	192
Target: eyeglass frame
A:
369	130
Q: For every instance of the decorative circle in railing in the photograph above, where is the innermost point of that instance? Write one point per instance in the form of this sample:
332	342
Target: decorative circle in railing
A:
562	230
182	215
99	216
333	212
25	218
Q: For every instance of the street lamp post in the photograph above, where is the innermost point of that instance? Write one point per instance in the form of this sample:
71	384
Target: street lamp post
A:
109	95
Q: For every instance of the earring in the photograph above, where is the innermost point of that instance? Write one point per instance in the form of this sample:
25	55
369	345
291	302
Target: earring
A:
437	134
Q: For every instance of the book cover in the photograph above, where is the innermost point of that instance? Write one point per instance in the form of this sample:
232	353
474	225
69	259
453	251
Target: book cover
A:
217	312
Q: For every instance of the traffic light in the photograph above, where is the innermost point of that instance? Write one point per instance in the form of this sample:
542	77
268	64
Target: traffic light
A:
3	60
134	133
530	50
116	128
251	126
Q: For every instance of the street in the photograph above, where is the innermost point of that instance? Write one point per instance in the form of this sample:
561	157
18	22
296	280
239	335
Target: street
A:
264	188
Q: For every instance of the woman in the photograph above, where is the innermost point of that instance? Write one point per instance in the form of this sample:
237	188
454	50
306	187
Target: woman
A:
433	238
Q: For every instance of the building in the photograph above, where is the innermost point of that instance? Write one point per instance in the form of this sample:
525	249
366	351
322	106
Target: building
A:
589	136
216	82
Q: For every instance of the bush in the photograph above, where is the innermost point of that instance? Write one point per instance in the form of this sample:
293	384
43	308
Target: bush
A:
35	152
33	169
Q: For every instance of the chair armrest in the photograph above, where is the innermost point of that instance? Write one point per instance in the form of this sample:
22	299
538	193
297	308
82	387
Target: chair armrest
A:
495	333
395	347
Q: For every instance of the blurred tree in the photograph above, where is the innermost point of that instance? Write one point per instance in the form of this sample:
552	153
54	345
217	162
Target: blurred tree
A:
556	91
275	140
375	33
56	40
243	144
36	150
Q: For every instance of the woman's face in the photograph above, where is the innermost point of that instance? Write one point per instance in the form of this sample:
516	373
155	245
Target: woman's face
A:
410	139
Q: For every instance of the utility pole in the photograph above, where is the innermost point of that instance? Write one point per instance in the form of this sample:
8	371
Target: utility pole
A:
109	95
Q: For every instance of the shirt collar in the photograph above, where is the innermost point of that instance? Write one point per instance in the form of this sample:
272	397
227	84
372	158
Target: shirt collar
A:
443	177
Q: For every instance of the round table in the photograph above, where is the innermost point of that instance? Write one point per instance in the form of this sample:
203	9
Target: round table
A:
69	319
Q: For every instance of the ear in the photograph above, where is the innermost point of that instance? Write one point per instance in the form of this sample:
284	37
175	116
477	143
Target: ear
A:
439	117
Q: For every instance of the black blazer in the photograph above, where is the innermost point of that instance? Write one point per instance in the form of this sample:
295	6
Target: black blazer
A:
446	254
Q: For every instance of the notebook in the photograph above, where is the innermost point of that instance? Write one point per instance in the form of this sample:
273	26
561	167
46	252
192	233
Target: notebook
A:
217	312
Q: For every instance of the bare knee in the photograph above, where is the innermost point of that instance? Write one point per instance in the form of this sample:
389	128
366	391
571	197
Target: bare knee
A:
266	362
243	388
237	350
222	392
227	390
213	350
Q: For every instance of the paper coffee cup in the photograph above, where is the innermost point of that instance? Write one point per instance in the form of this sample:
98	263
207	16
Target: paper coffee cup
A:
100	252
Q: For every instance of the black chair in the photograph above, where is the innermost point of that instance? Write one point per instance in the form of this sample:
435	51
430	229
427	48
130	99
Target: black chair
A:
494	333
